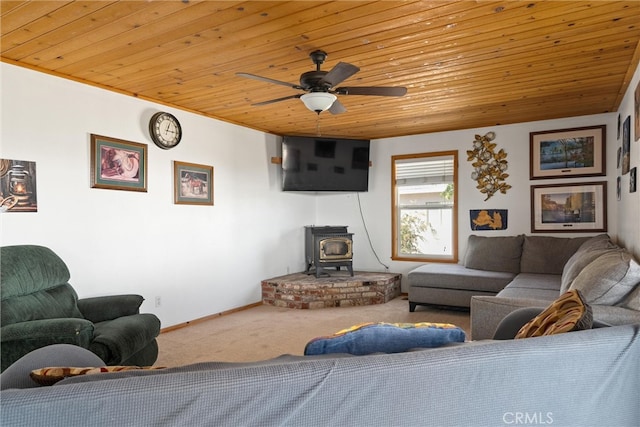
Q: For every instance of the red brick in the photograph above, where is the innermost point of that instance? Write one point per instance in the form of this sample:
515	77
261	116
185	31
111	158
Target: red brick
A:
301	291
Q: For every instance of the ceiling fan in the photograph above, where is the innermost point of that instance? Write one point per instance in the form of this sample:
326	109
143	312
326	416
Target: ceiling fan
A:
319	86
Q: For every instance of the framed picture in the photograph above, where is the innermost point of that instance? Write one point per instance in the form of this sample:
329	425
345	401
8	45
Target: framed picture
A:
192	184
117	164
18	186
633	180
488	219
568	152
569	208
636	111
626	145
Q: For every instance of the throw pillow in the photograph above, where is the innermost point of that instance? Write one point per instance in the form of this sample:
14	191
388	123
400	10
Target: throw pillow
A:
589	251
50	376
494	253
368	338
568	313
609	278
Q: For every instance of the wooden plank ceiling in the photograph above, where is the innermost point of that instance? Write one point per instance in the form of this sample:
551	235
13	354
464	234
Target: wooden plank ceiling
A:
465	64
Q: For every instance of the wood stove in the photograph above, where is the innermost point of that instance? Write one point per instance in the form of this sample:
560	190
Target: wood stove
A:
328	246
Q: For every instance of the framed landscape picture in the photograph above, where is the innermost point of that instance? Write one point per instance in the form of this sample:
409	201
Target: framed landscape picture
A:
568	153
569	208
117	164
193	184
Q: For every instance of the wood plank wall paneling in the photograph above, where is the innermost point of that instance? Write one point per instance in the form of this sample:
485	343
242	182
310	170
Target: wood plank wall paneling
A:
465	63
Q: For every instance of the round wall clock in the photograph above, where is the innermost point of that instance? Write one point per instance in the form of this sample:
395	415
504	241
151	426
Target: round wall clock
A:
165	130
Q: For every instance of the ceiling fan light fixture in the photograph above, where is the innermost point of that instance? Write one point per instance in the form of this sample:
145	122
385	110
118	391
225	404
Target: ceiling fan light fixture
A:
318	101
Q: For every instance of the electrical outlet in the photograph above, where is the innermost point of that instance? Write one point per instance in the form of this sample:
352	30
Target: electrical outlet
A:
158	301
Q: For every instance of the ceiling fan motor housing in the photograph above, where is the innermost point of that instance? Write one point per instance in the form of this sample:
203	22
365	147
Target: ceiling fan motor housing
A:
313	81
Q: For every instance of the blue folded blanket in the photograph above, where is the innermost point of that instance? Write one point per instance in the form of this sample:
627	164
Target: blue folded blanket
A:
368	338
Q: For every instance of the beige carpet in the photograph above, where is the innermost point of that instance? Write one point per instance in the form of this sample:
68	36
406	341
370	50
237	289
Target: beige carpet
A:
265	331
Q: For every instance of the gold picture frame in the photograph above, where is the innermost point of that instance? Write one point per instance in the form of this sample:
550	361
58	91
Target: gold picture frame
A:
192	184
117	164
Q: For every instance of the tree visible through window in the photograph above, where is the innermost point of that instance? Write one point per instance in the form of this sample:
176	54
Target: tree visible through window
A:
424	207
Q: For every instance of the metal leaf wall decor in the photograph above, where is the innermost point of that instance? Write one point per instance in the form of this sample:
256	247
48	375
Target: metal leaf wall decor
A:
489	166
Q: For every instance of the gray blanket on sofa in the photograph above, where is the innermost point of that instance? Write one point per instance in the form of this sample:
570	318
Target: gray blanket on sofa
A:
581	378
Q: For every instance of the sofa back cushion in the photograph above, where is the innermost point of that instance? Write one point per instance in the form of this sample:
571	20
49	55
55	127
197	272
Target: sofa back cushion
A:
586	253
609	278
548	255
33	281
55	303
25	269
494	253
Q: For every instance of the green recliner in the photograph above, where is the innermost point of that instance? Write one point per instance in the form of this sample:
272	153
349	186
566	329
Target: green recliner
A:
40	308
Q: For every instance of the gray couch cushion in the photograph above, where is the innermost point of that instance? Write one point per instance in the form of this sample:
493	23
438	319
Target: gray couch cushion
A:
529	294
608	279
456	276
532	285
632	300
494	253
586	253
548	255
536	281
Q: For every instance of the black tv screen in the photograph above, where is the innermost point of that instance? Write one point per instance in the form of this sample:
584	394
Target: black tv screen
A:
325	164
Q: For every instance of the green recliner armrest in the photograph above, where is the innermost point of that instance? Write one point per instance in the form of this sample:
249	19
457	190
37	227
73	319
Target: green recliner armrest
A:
117	340
18	339
100	309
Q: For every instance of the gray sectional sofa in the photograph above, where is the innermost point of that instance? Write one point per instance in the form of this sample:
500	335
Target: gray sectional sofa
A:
585	378
502	274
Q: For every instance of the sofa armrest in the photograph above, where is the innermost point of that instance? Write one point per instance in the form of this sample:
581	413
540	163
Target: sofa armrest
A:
18	339
117	340
100	309
615	315
487	312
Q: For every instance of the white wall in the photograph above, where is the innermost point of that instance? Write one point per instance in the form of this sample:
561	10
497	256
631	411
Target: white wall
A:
204	260
623	222
200	260
629	204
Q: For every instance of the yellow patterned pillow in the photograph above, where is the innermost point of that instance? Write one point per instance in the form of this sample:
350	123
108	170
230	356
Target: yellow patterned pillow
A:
568	313
50	376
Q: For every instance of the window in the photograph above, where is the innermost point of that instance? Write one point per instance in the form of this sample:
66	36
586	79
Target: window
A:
425	220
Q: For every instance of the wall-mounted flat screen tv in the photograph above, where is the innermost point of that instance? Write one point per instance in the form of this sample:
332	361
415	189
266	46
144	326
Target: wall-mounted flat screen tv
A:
325	164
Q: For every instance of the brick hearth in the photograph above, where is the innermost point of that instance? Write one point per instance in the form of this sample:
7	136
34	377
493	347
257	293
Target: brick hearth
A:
340	289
